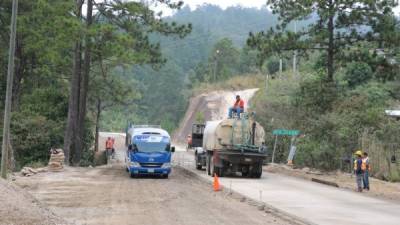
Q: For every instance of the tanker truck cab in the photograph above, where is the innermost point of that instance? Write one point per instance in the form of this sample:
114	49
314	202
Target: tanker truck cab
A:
149	151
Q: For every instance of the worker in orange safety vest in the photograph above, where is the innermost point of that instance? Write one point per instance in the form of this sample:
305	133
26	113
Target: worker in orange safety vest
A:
366	168
238	107
110	146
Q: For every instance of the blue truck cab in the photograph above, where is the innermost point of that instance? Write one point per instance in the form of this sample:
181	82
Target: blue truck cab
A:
149	151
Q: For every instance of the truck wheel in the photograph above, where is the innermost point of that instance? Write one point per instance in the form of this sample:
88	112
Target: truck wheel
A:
133	175
219	171
257	172
246	172
196	159
212	167
257	175
208	164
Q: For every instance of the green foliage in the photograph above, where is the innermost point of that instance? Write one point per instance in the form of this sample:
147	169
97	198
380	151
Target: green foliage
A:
200	117
226	59
273	65
47	30
331	122
357	73
315	94
334	25
164	99
190	62
33	136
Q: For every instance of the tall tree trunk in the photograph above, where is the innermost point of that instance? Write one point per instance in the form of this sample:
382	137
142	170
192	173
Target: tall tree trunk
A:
84	88
16	92
11	160
98	115
331	44
73	104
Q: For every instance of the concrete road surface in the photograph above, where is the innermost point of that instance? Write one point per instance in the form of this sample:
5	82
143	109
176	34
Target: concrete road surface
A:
316	203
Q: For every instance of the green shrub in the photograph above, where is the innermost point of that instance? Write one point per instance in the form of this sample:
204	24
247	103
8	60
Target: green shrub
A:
273	65
33	136
358	73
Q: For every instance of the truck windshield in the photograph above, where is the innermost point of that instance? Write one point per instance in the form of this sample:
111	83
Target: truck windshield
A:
152	143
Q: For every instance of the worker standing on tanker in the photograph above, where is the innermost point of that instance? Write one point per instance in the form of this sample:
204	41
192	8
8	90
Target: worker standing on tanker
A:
238	107
358	170
366	168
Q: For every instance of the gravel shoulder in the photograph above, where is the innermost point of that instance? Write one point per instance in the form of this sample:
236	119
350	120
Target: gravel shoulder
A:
19	207
106	195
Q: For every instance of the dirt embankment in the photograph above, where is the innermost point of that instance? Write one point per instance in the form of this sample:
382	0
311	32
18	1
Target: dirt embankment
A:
17	207
211	106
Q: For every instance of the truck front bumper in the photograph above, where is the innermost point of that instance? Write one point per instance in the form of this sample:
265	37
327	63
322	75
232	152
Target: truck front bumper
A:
246	158
147	170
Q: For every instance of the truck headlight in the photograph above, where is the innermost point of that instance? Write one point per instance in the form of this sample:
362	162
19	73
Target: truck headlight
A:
199	150
166	165
135	164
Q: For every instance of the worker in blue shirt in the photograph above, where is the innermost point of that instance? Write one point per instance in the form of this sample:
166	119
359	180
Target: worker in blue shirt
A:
358	170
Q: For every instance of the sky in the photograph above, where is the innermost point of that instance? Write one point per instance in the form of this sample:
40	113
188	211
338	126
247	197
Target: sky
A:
221	3
226	3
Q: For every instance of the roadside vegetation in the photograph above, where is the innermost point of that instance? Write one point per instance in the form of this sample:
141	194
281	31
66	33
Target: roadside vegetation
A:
346	78
340	99
145	70
139	74
70	68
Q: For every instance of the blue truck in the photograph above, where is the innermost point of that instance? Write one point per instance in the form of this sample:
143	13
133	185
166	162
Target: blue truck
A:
149	151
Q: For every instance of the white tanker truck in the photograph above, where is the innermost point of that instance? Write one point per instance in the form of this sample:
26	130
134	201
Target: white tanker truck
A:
233	145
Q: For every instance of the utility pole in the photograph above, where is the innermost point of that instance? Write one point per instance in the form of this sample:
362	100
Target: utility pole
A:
215	65
7	108
295	54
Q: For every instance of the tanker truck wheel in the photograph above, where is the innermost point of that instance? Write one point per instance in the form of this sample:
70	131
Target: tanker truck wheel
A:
208	164
257	171
212	167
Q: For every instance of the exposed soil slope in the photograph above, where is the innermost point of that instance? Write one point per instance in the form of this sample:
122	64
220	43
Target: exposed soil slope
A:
213	106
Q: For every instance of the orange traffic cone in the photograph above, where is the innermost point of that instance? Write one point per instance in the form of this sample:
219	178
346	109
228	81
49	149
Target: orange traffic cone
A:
216	185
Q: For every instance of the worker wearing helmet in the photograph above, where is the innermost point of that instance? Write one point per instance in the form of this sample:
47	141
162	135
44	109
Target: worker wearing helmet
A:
358	170
238	107
366	168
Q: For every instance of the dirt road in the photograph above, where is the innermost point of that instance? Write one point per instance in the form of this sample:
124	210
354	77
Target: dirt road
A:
212	106
315	203
19	207
106	195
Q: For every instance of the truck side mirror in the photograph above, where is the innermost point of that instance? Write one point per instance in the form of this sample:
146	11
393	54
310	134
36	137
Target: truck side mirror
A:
173	149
